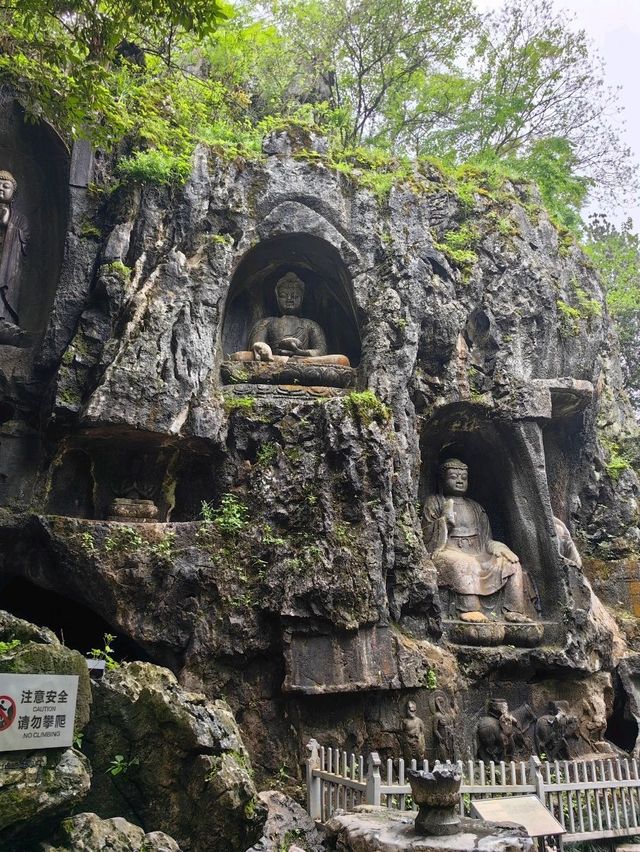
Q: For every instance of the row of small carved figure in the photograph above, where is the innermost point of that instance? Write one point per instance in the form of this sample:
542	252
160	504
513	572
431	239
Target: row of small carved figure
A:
503	735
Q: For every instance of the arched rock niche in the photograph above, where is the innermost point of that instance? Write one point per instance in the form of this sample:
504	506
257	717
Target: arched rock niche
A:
328	297
39	160
88	475
507	478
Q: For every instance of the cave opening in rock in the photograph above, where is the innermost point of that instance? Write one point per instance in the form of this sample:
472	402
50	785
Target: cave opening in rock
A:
622	727
76	625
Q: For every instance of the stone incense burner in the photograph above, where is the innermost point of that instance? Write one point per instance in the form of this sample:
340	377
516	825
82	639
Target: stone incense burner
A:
436	794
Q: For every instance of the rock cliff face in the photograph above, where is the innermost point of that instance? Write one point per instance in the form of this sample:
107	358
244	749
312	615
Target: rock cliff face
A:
303	591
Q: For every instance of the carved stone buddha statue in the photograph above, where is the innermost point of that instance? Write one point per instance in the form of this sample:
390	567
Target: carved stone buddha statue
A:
14	236
288	349
469	561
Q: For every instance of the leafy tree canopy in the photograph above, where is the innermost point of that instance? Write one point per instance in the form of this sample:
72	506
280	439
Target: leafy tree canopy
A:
616	254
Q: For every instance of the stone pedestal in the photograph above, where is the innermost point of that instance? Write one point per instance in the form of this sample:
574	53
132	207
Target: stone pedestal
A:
125	509
489	633
290	371
370	829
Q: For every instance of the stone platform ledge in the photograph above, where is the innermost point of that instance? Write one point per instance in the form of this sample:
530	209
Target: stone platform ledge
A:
492	633
276	392
287	372
371	829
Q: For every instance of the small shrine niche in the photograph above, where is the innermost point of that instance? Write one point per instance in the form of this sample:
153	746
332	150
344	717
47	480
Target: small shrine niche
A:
290	317
34	174
130	479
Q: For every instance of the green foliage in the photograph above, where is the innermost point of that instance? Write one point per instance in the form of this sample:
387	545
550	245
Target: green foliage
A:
267	454
78	736
207	512
165	547
230	517
366	406
569	319
120	269
90	231
615	253
457	246
432	679
120	765
64	60
589	308
11	645
382	79
124	539
154	167
617	462
359	57
244	404
106	652
535	93
87	543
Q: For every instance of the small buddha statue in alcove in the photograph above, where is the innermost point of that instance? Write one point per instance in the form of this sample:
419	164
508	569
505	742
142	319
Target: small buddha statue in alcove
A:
289	335
288	349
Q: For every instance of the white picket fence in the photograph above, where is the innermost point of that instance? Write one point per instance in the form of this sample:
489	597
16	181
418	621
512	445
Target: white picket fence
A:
592	799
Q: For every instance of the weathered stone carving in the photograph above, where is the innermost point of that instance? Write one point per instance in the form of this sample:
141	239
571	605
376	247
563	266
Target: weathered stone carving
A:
566	545
14	236
557	732
442	725
469	561
496	731
288	349
413	734
593	724
134	501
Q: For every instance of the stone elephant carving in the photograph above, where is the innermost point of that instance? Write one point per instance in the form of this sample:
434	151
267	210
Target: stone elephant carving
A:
495	732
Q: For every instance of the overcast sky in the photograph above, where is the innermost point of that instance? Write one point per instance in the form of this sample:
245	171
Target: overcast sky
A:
614	27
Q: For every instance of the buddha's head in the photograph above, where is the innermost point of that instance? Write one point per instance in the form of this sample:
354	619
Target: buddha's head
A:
8	186
290	293
454	476
411	709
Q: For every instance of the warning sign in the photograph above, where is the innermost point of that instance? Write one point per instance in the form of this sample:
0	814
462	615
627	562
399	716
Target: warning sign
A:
37	711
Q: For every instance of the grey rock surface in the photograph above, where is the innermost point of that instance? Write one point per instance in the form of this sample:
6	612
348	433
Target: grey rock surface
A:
88	833
36	787
187	771
287	824
508	358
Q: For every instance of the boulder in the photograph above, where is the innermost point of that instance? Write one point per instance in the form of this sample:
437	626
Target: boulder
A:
171	761
287	824
89	833
37	786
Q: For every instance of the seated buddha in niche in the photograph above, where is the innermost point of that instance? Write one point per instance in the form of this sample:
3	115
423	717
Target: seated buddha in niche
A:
469	561
277	339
